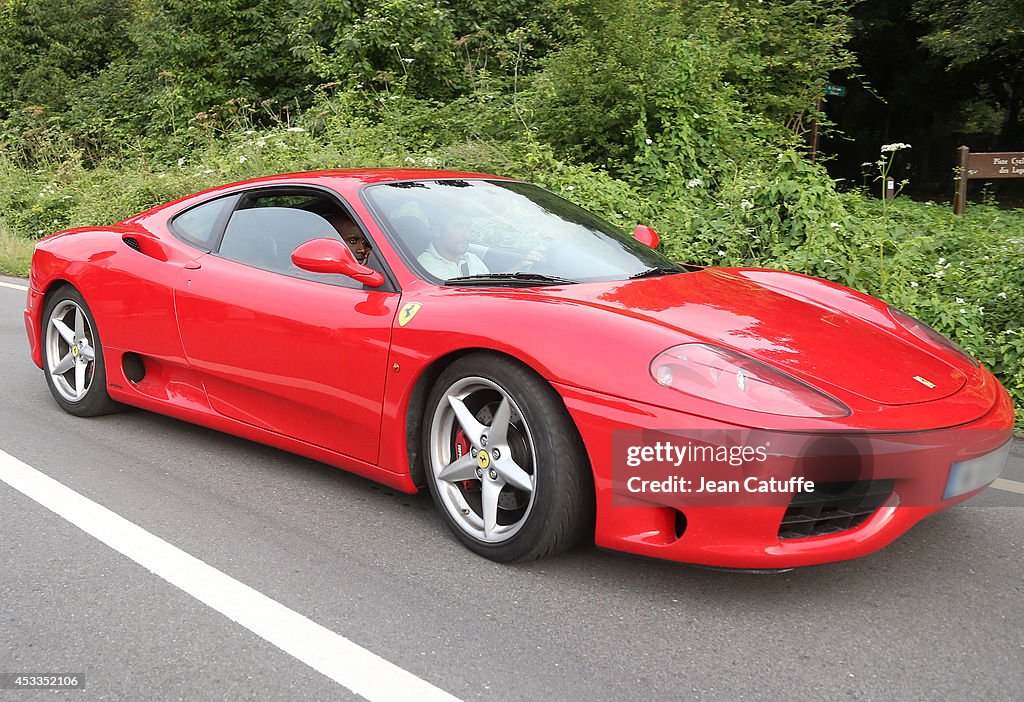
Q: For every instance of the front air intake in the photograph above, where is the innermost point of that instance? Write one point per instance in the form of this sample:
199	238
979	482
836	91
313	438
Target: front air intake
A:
833	507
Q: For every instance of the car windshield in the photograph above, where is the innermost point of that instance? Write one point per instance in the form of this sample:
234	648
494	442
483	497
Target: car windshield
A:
483	232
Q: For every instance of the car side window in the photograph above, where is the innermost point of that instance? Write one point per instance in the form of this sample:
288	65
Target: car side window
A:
198	226
267	227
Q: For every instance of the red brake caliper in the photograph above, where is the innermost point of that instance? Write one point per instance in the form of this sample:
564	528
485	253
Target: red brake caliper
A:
462	447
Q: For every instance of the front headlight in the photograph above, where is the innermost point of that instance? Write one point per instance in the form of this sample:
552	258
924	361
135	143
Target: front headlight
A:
933	338
730	378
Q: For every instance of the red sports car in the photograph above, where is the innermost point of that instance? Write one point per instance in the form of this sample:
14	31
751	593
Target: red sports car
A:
544	374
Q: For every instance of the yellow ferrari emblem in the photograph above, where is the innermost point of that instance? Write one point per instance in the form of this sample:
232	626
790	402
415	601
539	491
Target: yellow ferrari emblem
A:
406	314
483	459
74	350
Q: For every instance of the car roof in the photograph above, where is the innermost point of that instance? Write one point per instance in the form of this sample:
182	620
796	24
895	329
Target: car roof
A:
351	177
370	175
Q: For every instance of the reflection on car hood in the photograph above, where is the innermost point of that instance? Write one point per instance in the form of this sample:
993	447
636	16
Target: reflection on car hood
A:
811	340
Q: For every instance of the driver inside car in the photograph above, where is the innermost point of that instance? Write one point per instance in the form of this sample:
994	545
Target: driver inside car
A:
448	256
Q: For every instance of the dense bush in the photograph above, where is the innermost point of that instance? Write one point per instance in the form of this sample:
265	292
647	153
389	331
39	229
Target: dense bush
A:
964	275
685	115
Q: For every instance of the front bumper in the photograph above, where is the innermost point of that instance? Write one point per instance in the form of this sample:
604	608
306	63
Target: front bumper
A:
745	530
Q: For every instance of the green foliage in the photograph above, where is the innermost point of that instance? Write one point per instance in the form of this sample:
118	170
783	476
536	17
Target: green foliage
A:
207	53
664	89
985	36
435	49
966	32
49	50
684	115
47	46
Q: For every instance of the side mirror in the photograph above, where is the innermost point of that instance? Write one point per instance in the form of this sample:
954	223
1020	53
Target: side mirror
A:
645	235
332	256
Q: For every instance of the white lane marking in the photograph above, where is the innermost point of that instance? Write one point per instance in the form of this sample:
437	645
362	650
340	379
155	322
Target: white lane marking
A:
12	286
343	661
1008	485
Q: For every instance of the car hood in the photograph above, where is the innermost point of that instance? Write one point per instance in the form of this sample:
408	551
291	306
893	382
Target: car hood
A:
812	339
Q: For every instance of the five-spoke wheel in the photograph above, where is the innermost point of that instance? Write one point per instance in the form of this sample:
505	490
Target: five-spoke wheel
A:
72	355
504	462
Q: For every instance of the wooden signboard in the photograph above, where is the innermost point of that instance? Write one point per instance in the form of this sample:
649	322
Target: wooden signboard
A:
986	166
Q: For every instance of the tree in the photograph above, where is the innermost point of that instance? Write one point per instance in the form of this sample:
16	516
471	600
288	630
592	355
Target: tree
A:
988	36
46	46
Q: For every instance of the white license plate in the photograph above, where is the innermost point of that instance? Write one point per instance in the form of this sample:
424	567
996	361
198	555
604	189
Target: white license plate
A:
965	476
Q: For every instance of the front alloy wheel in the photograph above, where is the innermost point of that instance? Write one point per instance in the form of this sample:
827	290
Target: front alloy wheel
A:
505	465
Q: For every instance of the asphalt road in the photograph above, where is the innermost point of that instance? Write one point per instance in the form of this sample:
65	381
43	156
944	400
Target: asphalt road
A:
938	614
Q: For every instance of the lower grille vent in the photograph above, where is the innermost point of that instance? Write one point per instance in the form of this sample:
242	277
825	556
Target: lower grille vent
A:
833	507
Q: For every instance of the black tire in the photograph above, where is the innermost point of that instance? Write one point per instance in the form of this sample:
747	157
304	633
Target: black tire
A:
91	399
540	439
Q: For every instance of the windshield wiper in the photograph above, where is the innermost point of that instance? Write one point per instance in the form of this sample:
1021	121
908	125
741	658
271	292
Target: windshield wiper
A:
659	270
522	279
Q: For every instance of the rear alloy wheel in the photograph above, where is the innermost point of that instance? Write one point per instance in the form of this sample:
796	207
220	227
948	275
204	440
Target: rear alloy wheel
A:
505	465
72	356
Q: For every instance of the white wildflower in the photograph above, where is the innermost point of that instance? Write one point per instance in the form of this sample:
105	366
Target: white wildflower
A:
648	141
295	129
963	311
570	187
835	225
746	204
242	159
959	301
941	261
694	183
1002	295
208	171
913	283
407	60
892	148
721	252
181	161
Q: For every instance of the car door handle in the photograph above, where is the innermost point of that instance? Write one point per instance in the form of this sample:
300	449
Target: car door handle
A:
193	266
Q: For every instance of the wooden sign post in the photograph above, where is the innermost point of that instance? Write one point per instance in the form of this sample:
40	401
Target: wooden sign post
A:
1003	164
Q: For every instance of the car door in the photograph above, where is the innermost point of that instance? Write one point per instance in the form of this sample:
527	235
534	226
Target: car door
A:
298	353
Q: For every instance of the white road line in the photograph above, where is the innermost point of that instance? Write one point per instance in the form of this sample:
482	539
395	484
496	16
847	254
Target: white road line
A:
1008	485
343	661
12	286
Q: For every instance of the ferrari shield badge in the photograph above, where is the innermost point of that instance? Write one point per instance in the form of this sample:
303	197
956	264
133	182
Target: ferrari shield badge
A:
409	311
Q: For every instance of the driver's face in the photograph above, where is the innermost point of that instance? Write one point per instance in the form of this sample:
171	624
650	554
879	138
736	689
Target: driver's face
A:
453	237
